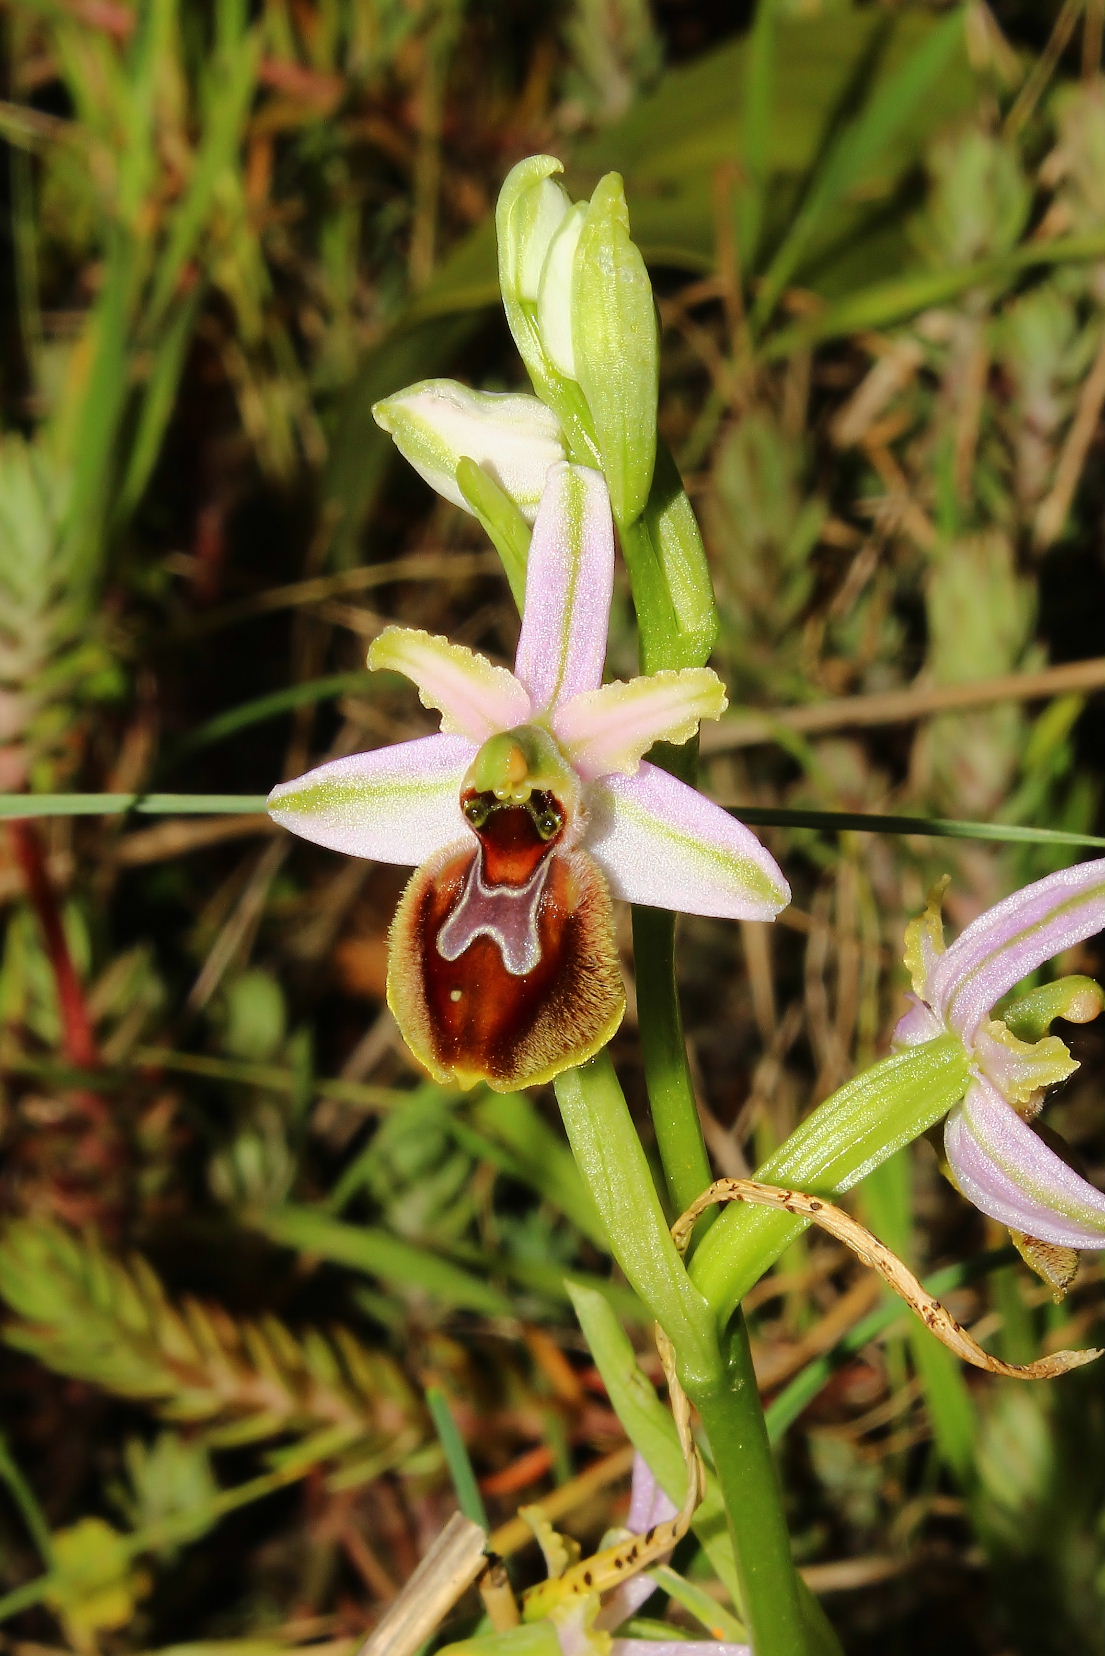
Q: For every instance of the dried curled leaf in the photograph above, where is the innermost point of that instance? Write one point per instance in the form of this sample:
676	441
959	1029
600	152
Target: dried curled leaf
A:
880	1258
628	1557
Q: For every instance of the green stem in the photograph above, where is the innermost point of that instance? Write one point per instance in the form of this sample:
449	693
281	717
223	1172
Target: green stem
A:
613	1165
782	1618
666	559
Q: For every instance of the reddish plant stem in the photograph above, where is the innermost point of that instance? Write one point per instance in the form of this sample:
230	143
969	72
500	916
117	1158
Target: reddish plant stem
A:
78	1040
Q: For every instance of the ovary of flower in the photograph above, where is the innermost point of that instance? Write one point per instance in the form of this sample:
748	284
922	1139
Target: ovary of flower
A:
530	807
996	1157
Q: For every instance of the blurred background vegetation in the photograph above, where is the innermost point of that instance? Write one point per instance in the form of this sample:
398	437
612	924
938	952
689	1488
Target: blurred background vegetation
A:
241	1237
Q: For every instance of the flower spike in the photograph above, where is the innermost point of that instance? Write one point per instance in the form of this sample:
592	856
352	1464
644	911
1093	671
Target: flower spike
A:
996	1157
525	813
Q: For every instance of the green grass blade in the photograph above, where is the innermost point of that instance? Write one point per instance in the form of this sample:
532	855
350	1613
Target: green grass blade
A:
884	304
270	706
758	120
886	1199
184	804
115	804
217	158
932	827
379	1254
156	406
457	1459
856	149
796	1397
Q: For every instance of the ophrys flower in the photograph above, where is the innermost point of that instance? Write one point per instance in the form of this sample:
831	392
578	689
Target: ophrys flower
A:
525	812
997	1159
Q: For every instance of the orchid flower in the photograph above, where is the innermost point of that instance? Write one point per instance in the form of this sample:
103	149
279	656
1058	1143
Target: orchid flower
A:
526	812
997	1159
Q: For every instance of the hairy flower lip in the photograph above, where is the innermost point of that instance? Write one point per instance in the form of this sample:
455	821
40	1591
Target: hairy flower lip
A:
996	1158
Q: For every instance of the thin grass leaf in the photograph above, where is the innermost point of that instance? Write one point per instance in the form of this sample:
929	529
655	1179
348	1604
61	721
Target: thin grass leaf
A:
270	706
885	304
379	1254
229	106
758	103
649	1425
886	1198
457	1459
782	1412
857	150
156	404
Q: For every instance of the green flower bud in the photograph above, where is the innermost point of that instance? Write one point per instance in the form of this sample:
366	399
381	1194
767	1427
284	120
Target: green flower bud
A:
617	348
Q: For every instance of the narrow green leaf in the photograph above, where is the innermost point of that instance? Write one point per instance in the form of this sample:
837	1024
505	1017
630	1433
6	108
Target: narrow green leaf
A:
649	1425
457	1459
758	100
222	137
884	304
858	146
379	1254
796	1397
108	804
887	1200
270	706
156	405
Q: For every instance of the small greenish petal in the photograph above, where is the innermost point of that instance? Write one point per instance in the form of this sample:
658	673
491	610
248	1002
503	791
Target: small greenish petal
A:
1021	1069
474	697
612	728
924	939
616	348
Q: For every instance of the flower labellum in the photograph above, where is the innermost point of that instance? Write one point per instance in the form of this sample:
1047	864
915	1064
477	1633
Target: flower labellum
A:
526	813
997	1158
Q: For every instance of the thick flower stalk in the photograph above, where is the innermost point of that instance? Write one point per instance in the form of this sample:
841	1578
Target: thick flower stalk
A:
996	1157
526	813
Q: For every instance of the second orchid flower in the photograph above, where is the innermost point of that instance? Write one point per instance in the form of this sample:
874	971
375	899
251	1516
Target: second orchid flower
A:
995	1154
